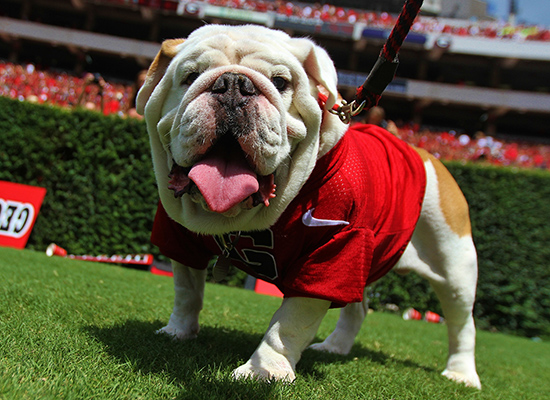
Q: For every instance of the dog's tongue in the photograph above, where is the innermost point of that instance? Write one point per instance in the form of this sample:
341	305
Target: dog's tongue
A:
224	179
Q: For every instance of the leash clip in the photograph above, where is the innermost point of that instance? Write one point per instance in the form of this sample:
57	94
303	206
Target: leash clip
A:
348	110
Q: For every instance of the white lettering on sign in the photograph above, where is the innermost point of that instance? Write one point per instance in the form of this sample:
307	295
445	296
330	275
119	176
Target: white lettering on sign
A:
15	218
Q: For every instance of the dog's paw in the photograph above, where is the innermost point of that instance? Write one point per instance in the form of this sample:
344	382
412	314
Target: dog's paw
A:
470	380
329	347
283	373
179	330
176	334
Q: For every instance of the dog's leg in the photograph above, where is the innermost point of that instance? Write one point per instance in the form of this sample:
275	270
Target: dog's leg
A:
454	282
457	301
341	339
291	329
189	293
442	251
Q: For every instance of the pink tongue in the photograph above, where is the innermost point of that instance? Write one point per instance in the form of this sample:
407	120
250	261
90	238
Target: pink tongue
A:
224	181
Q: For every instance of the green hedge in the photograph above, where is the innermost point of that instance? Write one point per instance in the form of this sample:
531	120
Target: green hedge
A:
102	197
510	212
511	223
101	190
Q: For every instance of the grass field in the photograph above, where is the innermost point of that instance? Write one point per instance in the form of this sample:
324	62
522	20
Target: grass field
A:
80	330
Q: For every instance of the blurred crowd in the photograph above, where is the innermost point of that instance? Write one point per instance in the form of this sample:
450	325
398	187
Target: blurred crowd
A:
335	14
449	145
487	29
28	83
452	146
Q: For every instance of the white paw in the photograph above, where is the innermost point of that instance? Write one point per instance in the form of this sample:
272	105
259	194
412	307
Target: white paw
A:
331	348
180	331
283	373
470	380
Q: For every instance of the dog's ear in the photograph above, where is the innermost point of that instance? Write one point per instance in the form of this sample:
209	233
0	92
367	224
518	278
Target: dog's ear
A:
319	66
156	71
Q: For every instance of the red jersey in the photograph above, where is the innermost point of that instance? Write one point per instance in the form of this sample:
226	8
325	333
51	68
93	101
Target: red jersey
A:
348	226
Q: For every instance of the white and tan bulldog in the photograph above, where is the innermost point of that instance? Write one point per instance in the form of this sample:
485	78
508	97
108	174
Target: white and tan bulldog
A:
245	154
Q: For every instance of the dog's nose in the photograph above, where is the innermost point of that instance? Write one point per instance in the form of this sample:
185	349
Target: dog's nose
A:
234	85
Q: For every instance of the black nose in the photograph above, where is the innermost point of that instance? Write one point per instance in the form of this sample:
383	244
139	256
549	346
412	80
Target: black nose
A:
234	85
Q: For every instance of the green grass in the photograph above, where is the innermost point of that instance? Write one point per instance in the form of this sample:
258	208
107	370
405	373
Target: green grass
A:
80	330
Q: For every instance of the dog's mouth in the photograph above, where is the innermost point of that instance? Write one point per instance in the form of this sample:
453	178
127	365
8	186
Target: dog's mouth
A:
224	179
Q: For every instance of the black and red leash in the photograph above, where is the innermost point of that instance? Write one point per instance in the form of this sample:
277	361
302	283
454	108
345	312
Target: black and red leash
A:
368	95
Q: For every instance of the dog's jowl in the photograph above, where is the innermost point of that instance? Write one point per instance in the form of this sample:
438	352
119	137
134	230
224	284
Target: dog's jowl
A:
252	167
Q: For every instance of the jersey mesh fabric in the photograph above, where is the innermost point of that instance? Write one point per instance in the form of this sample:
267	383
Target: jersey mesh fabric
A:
367	194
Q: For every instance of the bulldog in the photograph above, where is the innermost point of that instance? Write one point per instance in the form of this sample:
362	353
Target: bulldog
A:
252	167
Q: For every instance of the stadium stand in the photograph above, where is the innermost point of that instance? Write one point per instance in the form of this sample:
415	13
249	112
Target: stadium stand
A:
332	13
466	75
451	146
26	83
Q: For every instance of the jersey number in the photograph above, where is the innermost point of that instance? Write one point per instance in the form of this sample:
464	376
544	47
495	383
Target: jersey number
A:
256	257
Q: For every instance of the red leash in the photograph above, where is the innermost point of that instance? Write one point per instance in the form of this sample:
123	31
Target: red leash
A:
368	95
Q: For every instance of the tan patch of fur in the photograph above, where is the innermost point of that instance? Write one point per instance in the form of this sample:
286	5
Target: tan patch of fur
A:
451	199
164	56
156	71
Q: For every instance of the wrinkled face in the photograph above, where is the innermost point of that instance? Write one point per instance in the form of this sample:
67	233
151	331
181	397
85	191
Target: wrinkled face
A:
228	110
233	95
226	116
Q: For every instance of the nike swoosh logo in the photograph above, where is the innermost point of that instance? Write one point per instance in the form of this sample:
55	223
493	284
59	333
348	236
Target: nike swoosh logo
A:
309	220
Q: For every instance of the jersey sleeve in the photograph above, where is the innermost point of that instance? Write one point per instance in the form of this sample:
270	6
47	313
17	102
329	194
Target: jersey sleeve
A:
178	243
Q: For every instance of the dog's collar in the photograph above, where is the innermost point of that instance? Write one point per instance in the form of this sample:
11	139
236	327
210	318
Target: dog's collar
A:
322	100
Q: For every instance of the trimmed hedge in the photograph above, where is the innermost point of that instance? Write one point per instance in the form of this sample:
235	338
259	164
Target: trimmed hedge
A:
101	190
510	212
511	223
102	198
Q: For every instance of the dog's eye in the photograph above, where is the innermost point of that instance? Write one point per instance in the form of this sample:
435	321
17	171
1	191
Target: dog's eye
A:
192	77
280	83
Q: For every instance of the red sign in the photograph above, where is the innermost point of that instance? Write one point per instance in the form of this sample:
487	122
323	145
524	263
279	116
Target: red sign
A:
270	289
19	207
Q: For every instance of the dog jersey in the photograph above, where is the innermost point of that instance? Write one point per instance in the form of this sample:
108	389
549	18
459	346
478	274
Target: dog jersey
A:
348	226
